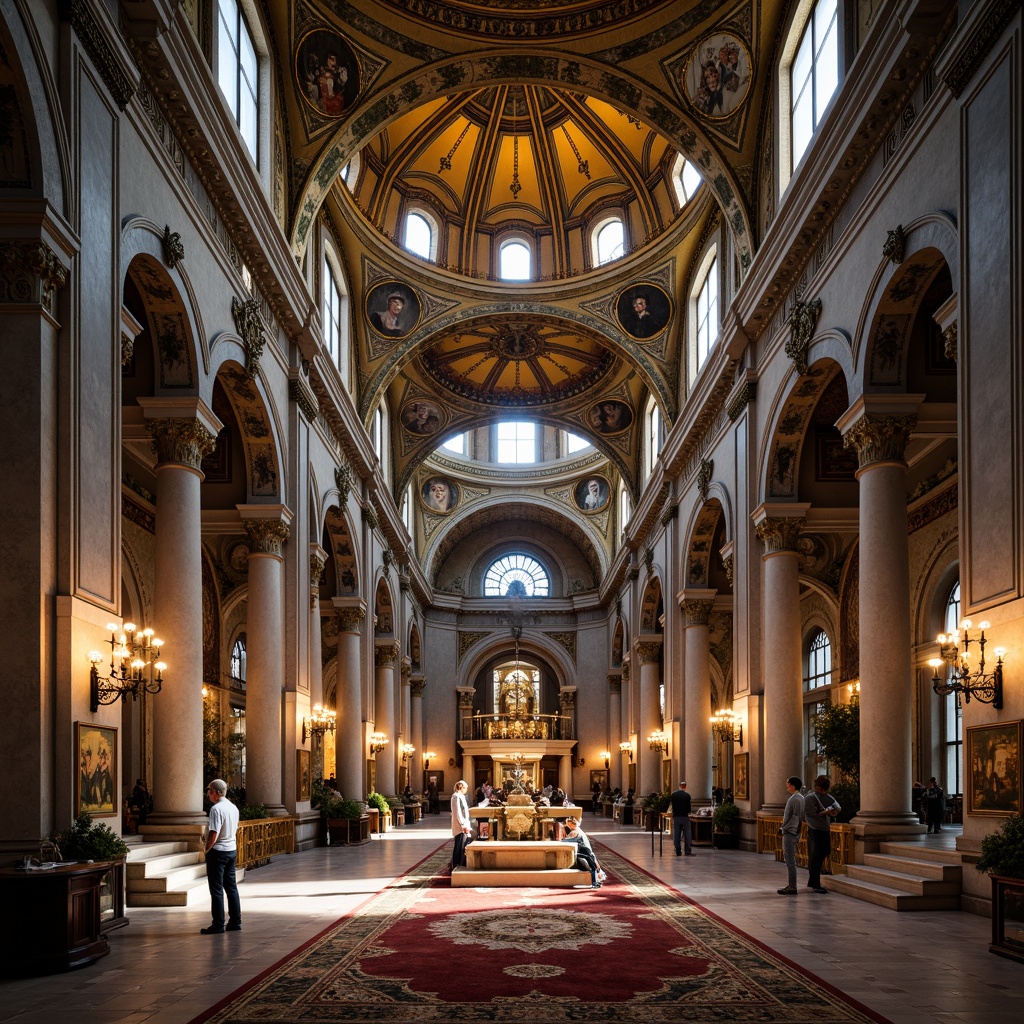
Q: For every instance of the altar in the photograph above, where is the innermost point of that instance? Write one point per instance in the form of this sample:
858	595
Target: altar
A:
520	863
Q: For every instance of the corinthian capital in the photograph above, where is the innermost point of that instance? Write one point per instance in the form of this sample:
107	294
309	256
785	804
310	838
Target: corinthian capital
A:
184	441
697	612
779	534
266	536
879	438
30	273
648	650
385	654
350	618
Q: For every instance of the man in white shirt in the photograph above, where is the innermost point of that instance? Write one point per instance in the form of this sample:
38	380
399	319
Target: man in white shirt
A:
221	851
462	824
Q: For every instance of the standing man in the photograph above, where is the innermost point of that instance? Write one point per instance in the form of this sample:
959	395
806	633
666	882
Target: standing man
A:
934	802
791	821
462	824
681	825
820	811
221	851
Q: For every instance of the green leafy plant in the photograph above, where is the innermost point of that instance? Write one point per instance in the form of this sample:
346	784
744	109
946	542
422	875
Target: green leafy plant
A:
335	808
89	840
848	795
378	800
657	802
394	802
726	817
1002	851
320	793
837	728
252	812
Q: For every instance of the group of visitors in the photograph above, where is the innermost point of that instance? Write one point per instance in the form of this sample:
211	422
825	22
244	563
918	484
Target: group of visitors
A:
818	809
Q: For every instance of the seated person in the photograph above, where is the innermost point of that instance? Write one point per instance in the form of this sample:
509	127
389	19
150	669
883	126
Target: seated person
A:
586	859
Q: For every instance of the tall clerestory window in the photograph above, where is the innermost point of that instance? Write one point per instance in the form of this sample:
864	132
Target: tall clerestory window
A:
707	314
953	724
332	313
516	575
814	74
238	662
517	442
515	261
238	71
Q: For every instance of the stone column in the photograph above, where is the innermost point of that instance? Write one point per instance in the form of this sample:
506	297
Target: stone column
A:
565	774
348	700
385	654
648	649
615	736
403	728
416	685
317	561
268	529
469	774
696	605
878	428
778	527
626	730
183	433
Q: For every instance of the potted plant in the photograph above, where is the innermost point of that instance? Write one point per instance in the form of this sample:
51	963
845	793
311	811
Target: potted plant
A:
348	822
726	826
1002	856
379	809
397	808
87	840
654	805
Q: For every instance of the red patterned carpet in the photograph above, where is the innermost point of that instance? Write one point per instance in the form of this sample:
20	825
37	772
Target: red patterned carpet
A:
633	951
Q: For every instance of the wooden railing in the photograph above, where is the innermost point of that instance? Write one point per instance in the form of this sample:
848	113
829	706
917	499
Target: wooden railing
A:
258	840
769	841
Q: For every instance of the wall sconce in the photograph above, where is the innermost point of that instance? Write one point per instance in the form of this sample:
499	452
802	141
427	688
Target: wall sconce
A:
984	686
132	666
378	741
320	721
407	751
658	741
726	726
606	756
625	747
427	755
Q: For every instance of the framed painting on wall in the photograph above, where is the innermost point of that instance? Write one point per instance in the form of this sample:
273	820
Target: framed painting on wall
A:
96	785
740	769
992	768
303	781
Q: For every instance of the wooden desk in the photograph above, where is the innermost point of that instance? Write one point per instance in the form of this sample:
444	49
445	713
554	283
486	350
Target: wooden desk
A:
703	829
50	920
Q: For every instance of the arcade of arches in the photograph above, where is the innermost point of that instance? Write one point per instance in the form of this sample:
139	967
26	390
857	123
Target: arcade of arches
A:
336	381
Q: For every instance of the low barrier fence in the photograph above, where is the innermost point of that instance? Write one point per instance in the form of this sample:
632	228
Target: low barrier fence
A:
769	841
258	840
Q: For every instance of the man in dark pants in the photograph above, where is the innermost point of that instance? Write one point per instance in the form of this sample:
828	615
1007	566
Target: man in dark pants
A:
221	852
820	811
681	826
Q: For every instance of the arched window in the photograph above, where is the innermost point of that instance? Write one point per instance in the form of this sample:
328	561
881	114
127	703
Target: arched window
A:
817	677
652	444
818	664
331	313
517	442
515	261
456	444
813	75
609	241
574	443
349	174
707	313
420	235
238	71
516	576
686	179
238	662
953	724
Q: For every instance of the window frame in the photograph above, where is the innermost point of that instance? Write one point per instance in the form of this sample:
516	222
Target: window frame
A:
708	263
595	238
518	240
244	16
432	226
517	441
678	169
525	560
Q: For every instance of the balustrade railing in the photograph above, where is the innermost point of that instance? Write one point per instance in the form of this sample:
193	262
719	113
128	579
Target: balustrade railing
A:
518	727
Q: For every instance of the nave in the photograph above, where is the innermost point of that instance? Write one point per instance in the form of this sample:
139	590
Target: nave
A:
913	968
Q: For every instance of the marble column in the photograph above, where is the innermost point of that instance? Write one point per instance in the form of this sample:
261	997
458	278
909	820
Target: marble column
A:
648	649
696	605
317	561
385	654
615	736
403	727
183	433
349	734
565	774
416	685
778	527
878	428
626	758
268	528
469	774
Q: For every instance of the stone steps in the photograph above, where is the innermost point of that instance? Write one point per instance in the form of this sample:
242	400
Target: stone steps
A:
162	873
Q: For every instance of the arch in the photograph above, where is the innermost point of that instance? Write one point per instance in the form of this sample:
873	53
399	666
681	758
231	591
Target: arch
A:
383	609
699	548
783	443
880	341
415	647
538	645
940	572
466	73
620	643
651	607
342	570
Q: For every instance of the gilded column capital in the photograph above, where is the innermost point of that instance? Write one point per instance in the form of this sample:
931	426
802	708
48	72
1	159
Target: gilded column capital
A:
266	536
349	618
615	683
779	534
406	671
697	611
185	441
417	685
880	438
29	273
466	694
385	654
648	650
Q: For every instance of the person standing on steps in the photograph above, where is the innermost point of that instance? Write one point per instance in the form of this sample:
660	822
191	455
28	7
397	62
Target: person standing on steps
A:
791	821
682	827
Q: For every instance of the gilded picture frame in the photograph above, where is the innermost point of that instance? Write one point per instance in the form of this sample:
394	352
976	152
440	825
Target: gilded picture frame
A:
303	777
992	768
96	781
741	776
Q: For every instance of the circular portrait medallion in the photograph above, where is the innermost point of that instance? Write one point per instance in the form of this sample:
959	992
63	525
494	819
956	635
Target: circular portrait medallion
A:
610	416
591	494
326	72
717	76
643	310
440	495
421	417
393	309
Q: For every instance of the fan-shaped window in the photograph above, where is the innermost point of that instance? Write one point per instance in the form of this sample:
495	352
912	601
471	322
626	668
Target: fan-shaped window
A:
609	242
420	236
687	179
514	261
516	576
953	725
237	71
814	75
707	314
331	313
517	442
238	662
456	444
574	443
818	666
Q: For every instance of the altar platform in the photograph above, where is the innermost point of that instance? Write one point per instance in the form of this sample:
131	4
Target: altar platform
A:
520	864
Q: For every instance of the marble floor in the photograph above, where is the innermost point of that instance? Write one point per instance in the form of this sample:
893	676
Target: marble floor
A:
914	968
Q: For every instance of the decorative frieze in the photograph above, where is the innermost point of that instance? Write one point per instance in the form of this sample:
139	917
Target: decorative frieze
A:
466	640
350	619
697	611
386	654
707	467
780	534
83	21
567	639
184	441
880	438
743	397
802	318
30	273
989	29
266	536
174	251
249	324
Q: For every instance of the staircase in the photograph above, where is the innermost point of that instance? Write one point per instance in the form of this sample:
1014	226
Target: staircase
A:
166	873
904	876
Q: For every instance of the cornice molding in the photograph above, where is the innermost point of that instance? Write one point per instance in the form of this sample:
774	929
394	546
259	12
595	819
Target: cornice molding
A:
97	44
